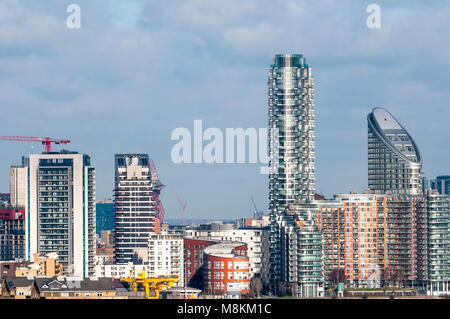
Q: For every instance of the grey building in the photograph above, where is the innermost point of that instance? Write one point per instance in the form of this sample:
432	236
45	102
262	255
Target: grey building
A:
394	161
135	214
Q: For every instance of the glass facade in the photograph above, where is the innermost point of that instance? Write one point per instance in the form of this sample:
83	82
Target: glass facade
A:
104	216
394	161
55	198
438	212
291	116
292	153
441	184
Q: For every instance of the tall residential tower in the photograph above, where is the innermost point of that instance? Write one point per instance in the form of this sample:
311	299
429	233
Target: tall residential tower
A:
291	145
394	161
291	116
135	212
60	209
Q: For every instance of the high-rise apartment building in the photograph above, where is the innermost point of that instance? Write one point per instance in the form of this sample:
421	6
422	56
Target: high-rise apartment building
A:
299	263
104	215
18	185
291	150
374	237
60	209
438	213
394	161
166	256
441	184
135	213
12	234
291	116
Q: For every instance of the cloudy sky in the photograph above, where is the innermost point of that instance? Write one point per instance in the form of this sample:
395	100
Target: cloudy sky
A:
136	70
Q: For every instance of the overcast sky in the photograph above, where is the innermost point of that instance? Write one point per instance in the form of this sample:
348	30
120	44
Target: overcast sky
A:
136	70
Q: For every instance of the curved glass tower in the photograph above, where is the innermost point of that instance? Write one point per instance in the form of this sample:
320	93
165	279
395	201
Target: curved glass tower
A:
395	164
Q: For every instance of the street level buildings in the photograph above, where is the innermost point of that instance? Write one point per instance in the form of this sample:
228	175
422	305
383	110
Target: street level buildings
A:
193	261
166	256
226	269
218	231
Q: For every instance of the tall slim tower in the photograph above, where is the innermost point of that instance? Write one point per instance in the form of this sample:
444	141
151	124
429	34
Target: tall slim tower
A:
291	115
394	161
291	145
135	213
60	209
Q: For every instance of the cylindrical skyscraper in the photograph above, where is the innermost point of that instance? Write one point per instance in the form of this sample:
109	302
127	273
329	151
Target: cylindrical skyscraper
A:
291	116
292	174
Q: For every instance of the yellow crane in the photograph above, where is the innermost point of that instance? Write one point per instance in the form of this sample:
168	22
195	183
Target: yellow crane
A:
155	284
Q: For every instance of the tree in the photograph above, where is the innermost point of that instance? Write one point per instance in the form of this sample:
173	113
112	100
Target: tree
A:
256	286
337	275
394	277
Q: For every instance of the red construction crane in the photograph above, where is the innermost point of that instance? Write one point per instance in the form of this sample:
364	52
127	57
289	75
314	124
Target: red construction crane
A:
157	187
46	141
183	207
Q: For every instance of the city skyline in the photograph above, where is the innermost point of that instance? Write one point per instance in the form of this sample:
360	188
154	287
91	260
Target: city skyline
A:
90	98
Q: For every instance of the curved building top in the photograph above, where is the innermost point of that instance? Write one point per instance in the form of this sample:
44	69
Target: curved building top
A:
394	135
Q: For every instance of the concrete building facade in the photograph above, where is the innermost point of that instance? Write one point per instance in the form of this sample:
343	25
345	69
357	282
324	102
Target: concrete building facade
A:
166	256
134	208
18	185
60	209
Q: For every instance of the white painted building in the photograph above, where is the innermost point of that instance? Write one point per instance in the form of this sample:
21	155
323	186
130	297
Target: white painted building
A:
120	270
60	209
166	256
18	184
